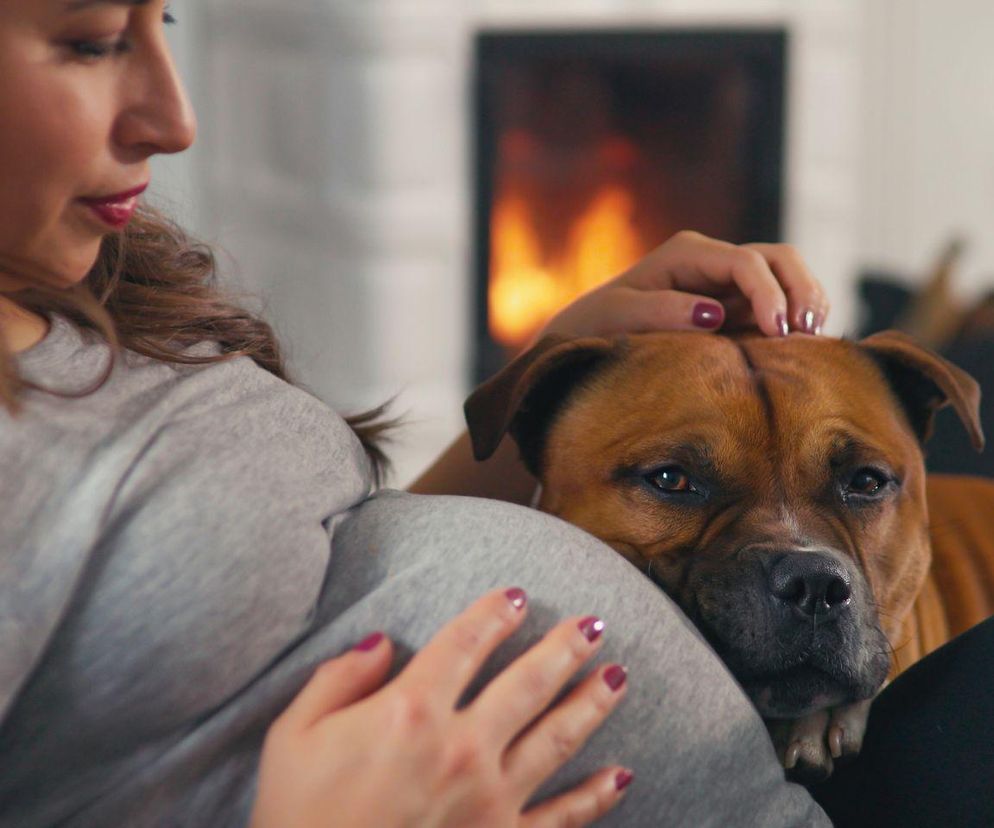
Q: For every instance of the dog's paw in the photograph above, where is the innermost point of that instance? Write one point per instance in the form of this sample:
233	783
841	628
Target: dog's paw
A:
846	728
802	747
810	747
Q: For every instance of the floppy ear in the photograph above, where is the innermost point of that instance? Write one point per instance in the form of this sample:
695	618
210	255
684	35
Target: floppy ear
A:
523	397
925	382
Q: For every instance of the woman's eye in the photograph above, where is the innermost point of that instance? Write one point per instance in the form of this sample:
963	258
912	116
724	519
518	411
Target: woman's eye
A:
97	48
670	479
867	482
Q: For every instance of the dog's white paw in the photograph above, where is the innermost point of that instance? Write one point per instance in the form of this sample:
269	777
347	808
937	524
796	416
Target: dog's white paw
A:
810	747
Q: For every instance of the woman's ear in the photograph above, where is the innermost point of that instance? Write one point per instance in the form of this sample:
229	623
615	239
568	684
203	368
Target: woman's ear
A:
924	382
523	397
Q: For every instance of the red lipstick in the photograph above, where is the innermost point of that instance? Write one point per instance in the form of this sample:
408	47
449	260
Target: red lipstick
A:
116	210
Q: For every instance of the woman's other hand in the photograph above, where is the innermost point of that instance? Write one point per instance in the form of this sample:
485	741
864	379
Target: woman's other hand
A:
353	751
692	282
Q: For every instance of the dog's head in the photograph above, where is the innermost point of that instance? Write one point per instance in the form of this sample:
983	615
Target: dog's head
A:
774	488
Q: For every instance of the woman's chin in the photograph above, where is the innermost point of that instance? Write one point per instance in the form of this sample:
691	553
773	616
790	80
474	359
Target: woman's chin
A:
68	271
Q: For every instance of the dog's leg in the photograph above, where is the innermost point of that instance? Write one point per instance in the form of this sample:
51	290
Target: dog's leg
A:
809	747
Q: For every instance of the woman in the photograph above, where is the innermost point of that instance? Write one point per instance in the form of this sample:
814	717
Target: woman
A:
186	536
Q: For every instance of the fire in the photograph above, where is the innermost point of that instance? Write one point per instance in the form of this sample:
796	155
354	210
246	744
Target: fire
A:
527	287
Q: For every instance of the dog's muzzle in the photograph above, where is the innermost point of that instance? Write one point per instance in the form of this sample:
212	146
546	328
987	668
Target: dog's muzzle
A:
797	628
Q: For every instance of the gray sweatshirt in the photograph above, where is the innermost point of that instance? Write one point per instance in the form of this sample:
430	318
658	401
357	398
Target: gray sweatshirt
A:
162	542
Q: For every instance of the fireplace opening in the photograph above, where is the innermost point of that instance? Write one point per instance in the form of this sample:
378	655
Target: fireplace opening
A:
594	147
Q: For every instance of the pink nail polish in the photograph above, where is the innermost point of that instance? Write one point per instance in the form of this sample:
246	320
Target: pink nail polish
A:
591	627
370	642
819	321
782	324
808	320
623	779
708	315
517	597
614	676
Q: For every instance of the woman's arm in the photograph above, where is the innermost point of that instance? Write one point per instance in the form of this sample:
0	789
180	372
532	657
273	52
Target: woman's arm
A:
501	477
691	282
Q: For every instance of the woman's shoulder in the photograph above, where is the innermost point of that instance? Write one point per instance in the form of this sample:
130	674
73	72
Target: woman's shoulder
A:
205	412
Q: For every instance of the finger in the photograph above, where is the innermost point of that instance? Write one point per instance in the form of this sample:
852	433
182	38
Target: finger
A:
552	740
622	309
806	300
738	314
698	264
639	311
453	657
582	805
520	693
340	682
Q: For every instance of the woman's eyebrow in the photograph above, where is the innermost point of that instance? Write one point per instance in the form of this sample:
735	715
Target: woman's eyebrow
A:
79	5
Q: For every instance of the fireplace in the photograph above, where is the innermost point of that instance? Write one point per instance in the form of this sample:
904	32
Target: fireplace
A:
592	147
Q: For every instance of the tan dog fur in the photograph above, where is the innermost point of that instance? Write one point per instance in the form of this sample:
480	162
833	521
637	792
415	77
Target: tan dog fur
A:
774	420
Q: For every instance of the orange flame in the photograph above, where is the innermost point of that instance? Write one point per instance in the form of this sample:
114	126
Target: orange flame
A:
525	289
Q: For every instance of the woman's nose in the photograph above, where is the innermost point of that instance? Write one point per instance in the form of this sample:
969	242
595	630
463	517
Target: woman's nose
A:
157	116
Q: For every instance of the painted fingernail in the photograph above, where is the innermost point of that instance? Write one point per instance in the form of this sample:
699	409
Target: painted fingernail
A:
370	642
517	597
782	324
708	315
808	321
614	676
591	627
819	321
623	779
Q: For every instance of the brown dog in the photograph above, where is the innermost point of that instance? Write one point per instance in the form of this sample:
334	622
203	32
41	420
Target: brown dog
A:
775	489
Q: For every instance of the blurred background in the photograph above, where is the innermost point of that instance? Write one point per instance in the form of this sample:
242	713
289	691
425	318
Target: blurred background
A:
409	187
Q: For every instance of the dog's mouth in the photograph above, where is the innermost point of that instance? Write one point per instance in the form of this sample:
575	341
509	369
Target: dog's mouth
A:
796	691
792	678
788	665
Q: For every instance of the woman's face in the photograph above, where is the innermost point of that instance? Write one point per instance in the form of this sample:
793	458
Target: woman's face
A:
88	93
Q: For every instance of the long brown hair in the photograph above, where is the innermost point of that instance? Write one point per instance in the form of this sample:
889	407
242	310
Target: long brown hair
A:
153	290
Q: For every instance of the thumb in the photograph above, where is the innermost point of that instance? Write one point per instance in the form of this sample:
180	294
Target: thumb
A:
639	311
340	682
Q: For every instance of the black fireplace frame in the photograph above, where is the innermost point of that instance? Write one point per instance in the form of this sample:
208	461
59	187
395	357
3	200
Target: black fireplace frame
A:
766	50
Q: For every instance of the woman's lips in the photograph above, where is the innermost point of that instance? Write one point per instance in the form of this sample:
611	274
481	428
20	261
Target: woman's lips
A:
115	210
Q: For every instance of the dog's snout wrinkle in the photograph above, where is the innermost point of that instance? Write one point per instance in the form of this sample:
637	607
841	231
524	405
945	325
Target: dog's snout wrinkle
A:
768	552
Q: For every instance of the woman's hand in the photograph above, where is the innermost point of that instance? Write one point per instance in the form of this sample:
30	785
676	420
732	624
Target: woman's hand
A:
697	283
345	753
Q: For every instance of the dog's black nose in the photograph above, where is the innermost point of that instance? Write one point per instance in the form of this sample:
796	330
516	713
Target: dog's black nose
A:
817	587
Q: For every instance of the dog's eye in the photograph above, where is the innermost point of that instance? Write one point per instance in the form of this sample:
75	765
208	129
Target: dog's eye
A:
670	479
867	482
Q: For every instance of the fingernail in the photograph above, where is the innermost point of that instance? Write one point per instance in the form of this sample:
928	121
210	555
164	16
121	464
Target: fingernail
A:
707	315
370	642
623	779
819	321
615	676
591	627
782	324
808	321
517	597
791	756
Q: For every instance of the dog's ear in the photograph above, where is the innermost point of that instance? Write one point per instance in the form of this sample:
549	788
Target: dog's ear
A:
925	382
523	397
